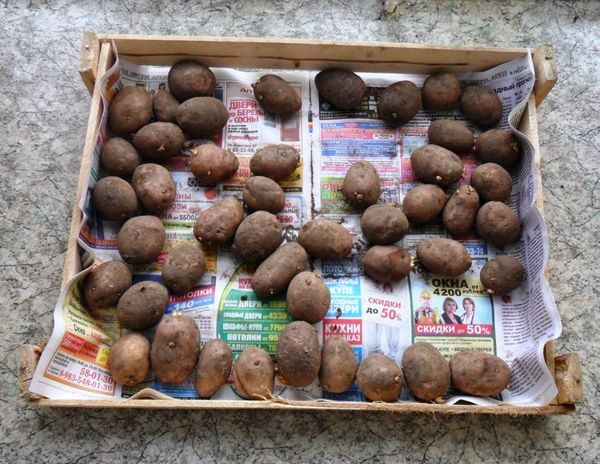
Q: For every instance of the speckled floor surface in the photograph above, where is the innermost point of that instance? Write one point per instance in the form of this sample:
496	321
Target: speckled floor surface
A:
43	118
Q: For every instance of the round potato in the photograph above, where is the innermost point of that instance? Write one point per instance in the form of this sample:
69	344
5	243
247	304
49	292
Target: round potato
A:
115	199
492	182
129	359
383	224
502	274
254	374
277	271
379	378
498	146
479	374
130	110
154	187
202	117
263	194
443	256
308	298
214	366
498	224
159	141
143	305
165	106
423	203
275	95
184	267
338	365
387	263
340	87
188	79
217	225
257	237
452	135
141	239
460	211
298	354
325	239
441	92
362	185
276	162
399	103
426	372
119	158
103	287
481	106
175	348
211	164
436	165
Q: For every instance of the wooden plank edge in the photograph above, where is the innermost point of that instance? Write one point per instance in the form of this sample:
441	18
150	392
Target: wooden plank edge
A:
88	60
568	378
545	71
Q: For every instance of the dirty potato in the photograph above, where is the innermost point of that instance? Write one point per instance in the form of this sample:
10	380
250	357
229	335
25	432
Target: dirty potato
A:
275	95
460	211
188	79
308	298
341	88
498	146
436	165
502	274
211	164
298	354
362	185
165	106
154	187
254	374
257	237
276	162
426	372
441	92
387	263
263	194
338	365
443	256
105	284
130	110
379	378
481	106
214	366
452	135
325	239
159	141
129	359
383	224
492	182
141	239
119	158
202	117
277	271
423	203
217	225
399	103
142	305
115	198
497	223
478	373
184	267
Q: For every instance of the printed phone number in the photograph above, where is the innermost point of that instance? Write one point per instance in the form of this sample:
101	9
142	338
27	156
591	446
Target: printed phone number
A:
89	379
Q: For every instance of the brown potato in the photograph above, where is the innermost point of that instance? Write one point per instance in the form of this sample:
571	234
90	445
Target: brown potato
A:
436	165
103	287
379	378
184	267
275	95
165	106
143	305
159	141
257	237
211	164
141	239
276	162
214	366
423	203
399	103
308	298
498	224
115	199
217	225
129	359
498	146
426	372
277	271
443	256
189	79
452	135
362	185
387	263
502	274
263	194
154	186
254	374
298	354
383	224
441	92
325	239
460	211
119	158
175	348
340	87
479	374
492	182
338	365
202	117
130	110
481	106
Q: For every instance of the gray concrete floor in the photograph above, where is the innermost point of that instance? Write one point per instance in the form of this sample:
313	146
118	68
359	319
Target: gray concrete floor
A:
43	117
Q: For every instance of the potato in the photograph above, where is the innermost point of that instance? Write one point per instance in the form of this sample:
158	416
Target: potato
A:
387	263
452	135
308	298
460	211
340	87
129	359
423	203
276	162
154	187
141	239
479	374
492	182
325	239
214	366
188	79
257	237
217	225
379	378
115	199
441	92
142	306
202	117
254	374
119	158
498	146
298	354
436	165
165	106
383	224
211	164
275	95
130	110
338	365
426	372
175	348
184	267
159	141
399	103
103	287
498	224
481	106
362	185
277	271
502	274
443	256
263	194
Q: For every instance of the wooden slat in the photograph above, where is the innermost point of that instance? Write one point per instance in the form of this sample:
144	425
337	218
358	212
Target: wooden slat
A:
88	61
545	71
568	379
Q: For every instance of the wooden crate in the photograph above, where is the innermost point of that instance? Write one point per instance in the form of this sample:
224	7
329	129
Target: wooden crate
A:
97	54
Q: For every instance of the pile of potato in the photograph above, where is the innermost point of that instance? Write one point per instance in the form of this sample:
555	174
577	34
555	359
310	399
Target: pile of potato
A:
149	131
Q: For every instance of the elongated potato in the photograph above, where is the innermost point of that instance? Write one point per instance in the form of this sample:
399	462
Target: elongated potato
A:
498	146
479	374
105	284
119	158
298	354
399	103
387	263
436	165
130	110
423	203
217	225
129	359
211	164
257	237
184	267
481	105
340	87
338	365
492	182
188	79
379	378
383	224
141	239
115	199
154	186
441	92
452	135
275	95
165	106
142	306
497	223
254	374
308	298
214	366
362	185
159	141
502	274
443	256
276	162
202	117
277	271
460	211
263	194
426	372
325	239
